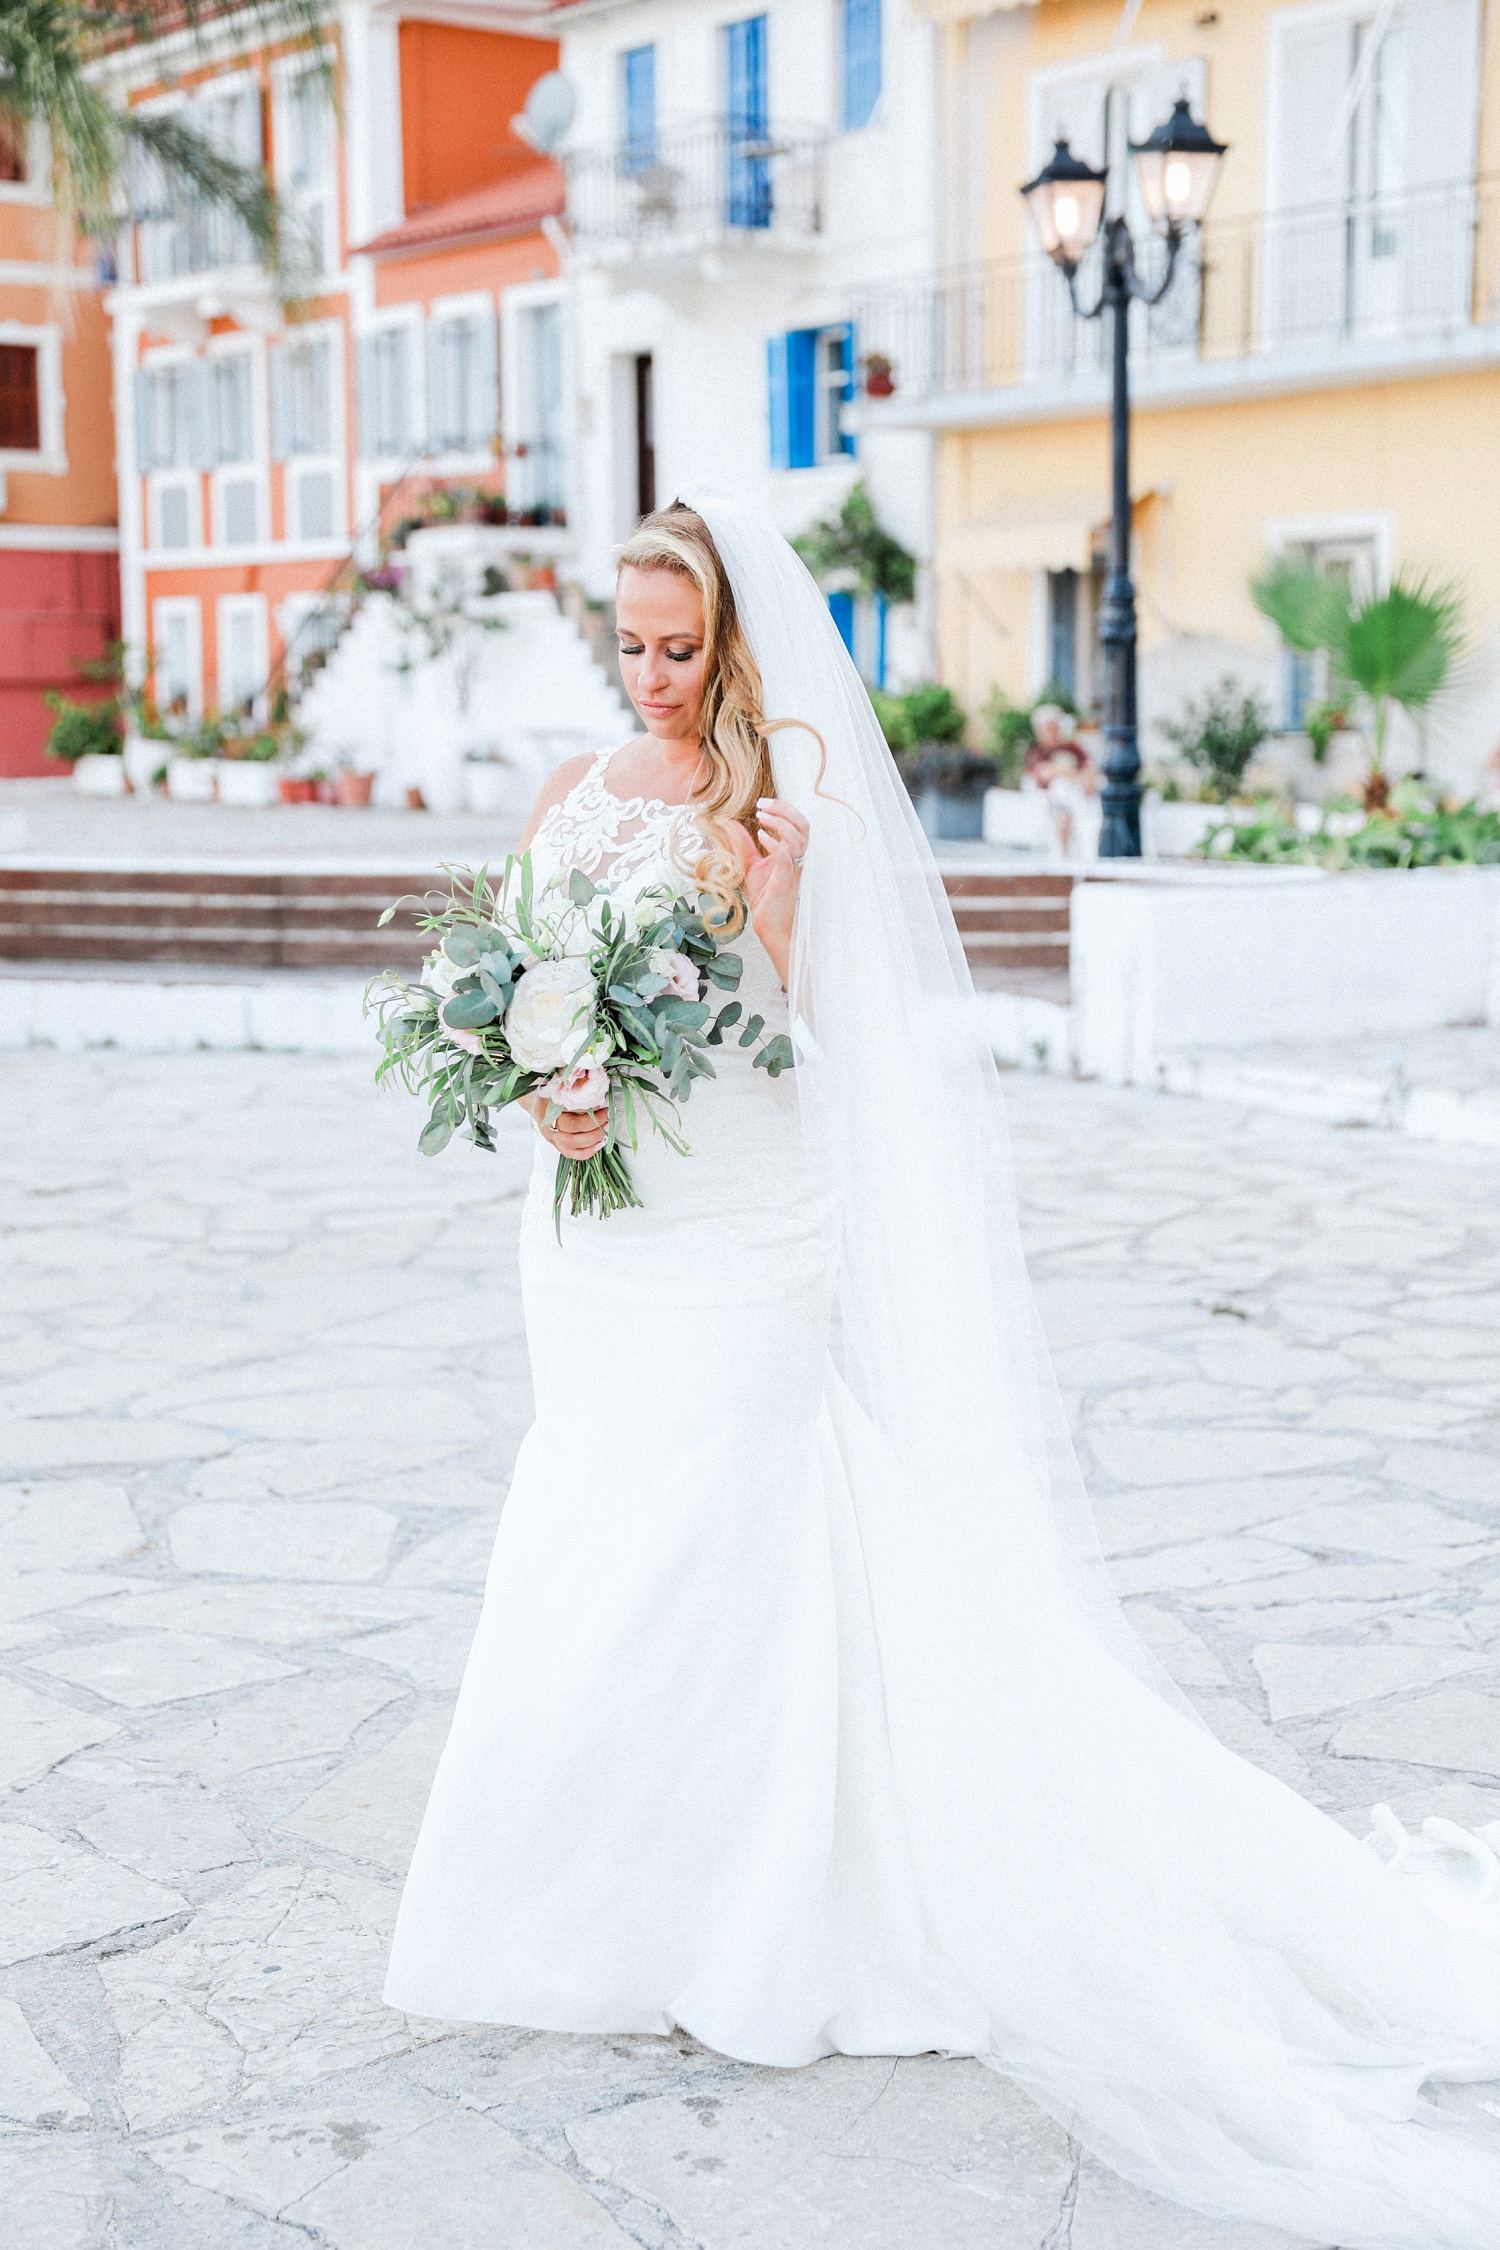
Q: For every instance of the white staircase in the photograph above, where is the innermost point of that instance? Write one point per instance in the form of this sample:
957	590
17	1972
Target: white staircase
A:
480	725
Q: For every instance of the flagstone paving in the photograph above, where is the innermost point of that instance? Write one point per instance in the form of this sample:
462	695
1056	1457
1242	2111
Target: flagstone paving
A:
264	1377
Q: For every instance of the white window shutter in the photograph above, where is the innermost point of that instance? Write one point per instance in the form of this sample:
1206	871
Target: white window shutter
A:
319	368
195	440
484	413
1442	73
1309	154
145	435
279	433
368	381
436	432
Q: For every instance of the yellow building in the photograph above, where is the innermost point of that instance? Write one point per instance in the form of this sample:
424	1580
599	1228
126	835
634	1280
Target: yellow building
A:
1323	375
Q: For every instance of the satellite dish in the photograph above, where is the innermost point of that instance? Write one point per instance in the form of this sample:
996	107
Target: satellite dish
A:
550	109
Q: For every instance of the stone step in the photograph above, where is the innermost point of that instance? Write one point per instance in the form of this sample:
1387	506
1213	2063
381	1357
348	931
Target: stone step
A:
289	916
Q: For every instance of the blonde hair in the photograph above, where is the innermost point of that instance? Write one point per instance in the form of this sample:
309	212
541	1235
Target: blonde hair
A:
732	727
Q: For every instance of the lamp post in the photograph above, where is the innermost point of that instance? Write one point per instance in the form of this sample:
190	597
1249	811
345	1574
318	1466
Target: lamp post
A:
1177	167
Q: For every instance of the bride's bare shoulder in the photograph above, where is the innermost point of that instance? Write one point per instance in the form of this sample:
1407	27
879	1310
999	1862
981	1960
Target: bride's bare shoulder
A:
558	783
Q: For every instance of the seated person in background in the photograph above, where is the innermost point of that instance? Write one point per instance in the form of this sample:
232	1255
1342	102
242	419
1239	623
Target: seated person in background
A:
1062	767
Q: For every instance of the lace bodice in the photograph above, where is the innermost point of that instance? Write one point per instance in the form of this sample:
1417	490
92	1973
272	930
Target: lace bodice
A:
617	841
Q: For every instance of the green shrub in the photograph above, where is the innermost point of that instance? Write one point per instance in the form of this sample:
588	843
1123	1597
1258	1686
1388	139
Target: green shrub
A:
935	713
83	730
1219	736
1412	831
895	719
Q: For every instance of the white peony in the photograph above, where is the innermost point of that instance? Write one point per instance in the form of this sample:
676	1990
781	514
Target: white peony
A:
547	1022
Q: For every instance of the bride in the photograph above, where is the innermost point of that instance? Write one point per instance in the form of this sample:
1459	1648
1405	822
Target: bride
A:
800	1713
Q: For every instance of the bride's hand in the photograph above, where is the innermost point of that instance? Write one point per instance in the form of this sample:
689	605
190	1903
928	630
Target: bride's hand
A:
573	1132
773	875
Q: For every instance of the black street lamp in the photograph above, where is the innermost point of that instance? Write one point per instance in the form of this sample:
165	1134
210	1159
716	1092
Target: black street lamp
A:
1176	167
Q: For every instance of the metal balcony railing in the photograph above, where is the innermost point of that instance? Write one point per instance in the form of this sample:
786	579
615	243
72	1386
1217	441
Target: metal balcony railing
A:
1312	286
176	238
690	184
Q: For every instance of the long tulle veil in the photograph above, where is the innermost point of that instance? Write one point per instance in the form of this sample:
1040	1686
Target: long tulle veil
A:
1218	1989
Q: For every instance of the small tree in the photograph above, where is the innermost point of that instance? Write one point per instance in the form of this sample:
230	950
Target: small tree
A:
852	542
1219	736
1396	649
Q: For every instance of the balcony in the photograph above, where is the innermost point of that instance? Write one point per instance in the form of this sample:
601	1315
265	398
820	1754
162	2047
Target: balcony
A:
1344	292
681	194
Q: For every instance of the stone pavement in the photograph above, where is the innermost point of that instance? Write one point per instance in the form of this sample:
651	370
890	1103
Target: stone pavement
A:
265	1375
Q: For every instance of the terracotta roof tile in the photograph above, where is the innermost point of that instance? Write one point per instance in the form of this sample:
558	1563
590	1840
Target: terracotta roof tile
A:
511	205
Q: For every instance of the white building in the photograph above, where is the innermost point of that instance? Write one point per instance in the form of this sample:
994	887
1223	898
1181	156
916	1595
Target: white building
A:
732	185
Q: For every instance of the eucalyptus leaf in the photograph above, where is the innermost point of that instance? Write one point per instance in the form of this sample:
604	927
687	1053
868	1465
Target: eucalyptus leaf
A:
462	948
470	1011
435	1136
752	1031
580	889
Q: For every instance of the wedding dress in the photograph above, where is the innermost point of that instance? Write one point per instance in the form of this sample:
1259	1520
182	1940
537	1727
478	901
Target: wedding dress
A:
800	1713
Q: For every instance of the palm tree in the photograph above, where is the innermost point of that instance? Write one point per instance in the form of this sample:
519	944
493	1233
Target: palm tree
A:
1395	649
102	152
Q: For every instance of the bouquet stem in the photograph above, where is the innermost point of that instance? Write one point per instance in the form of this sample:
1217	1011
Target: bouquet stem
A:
600	1183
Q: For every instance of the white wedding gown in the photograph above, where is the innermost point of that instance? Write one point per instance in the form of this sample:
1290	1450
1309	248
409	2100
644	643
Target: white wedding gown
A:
695	1777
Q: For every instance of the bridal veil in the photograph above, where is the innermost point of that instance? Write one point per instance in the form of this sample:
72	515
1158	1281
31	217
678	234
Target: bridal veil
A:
1215	1987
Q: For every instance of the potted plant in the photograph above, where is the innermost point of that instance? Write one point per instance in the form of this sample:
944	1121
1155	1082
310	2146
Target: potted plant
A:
247	775
193	769
880	376
295	788
352	788
1395	650
1217	740
89	736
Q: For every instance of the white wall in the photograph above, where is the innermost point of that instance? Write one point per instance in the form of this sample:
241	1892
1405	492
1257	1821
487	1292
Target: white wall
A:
706	324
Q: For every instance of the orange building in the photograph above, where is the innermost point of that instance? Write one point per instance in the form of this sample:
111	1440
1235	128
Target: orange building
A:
59	567
259	452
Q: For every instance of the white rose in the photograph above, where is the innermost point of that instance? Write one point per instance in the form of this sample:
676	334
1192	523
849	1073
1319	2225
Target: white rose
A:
682	977
547	1022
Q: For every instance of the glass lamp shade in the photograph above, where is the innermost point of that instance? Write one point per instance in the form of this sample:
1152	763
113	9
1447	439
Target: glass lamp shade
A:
1066	202
1177	168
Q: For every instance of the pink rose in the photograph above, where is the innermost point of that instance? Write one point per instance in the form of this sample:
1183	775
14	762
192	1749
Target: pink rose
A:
469	1040
584	1086
682	977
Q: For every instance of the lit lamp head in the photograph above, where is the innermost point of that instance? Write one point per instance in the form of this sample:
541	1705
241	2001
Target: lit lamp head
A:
1066	202
1177	168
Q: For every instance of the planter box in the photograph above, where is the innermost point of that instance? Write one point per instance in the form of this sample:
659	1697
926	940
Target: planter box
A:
193	781
100	777
951	820
145	757
248	782
1019	820
1243	955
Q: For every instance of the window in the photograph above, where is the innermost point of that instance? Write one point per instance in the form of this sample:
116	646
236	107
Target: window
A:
20	399
810	376
1304	672
242	665
385	394
177	675
305	163
534	469
462	393
13	152
645	435
301	399
749	123
638	107
861	62
231	430
1062	630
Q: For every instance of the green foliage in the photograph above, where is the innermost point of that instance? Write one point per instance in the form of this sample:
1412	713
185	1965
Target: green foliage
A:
83	730
1322	721
1414	830
105	151
895	719
935	713
1219	736
852	541
1396	649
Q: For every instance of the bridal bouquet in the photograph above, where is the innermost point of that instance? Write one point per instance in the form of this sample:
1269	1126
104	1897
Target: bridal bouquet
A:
560	990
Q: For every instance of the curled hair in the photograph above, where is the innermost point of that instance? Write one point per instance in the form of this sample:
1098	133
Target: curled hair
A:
732	727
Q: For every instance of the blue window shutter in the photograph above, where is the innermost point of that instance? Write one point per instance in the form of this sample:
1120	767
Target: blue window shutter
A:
638	73
778	397
802	398
880	640
841	607
861	62
846	440
749	122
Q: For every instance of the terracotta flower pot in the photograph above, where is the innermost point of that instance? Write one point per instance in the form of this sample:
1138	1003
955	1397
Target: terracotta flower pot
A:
880	383
354	788
325	793
294	789
415	801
